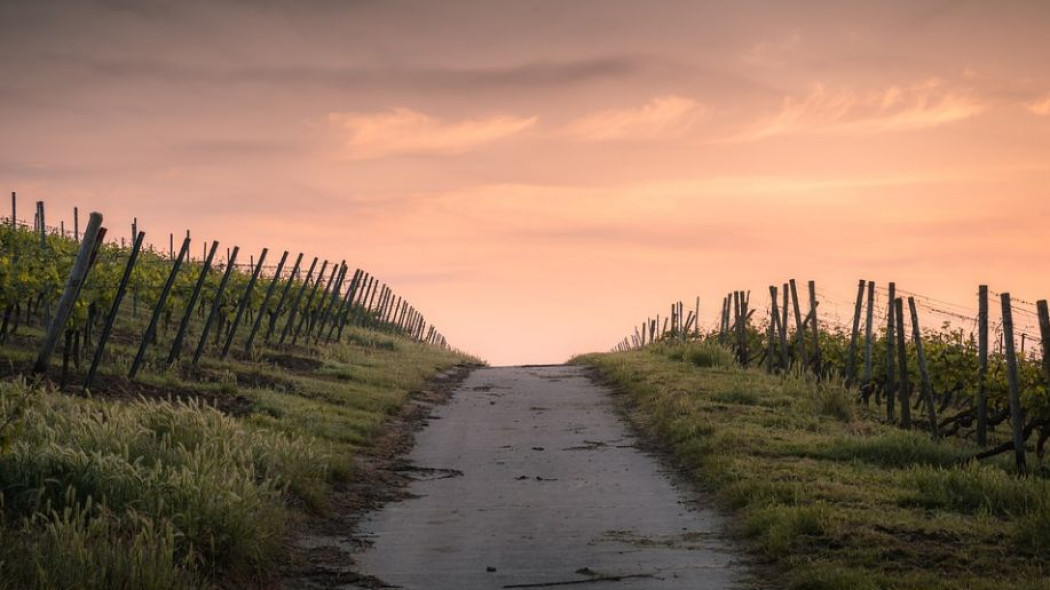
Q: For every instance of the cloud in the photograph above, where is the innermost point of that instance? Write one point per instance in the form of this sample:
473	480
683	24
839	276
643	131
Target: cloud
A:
403	131
1040	107
661	118
925	105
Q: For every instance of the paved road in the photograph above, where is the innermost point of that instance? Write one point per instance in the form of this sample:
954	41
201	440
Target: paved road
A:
528	480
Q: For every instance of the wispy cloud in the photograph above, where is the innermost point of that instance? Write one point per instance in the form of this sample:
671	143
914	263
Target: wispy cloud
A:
661	118
403	131
1040	107
897	108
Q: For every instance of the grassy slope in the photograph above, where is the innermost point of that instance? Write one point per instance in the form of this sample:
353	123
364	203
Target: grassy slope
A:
824	492
145	493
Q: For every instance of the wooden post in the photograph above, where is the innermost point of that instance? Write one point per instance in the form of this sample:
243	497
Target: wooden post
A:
151	329
697	317
818	364
74	283
771	331
344	308
277	311
902	364
76	225
778	327
927	388
231	262
982	365
107	328
891	372
851	360
43	225
264	306
352	294
243	304
333	300
1016	412
176	347
305	316
800	332
869	333
1044	333
14	210
294	308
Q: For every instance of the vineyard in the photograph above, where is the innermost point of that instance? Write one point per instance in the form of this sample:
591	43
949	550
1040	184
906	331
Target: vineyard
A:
166	308
165	420
945	380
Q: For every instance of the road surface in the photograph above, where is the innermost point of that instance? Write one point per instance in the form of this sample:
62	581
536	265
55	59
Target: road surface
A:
528	479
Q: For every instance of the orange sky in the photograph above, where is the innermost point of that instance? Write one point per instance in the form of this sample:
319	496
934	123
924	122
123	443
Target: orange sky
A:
538	176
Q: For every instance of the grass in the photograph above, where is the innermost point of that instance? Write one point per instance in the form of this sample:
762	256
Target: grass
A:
825	493
162	493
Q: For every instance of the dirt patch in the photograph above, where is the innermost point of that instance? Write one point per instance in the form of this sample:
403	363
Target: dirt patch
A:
323	545
299	364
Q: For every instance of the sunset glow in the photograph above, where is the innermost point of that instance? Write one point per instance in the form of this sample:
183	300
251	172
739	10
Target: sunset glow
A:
536	177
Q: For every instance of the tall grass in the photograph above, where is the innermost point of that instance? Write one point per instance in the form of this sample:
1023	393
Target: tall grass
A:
143	494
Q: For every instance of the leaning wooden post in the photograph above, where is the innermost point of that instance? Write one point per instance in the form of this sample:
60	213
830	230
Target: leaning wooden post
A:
81	266
1016	412
818	363
307	313
800	332
902	364
869	332
927	388
122	288
277	311
851	360
697	317
778	327
982	365
891	385
1044	333
151	329
294	308
343	313
265	305
328	307
231	263
176	347
243	304
771	332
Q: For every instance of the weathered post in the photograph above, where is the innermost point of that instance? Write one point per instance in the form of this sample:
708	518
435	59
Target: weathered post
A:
74	283
231	262
1016	412
243	304
277	311
902	364
122	288
294	309
176	347
265	305
800	332
851	360
927	387
982	365
818	363
891	386
151	329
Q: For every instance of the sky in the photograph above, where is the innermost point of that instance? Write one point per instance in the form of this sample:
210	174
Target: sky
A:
537	177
